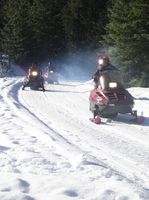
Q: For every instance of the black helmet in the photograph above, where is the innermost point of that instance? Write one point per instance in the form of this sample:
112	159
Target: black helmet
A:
102	61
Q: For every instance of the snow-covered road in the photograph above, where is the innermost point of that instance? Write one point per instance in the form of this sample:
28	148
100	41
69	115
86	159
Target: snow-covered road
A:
49	149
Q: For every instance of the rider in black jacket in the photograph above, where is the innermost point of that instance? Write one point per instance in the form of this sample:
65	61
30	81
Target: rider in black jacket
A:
103	64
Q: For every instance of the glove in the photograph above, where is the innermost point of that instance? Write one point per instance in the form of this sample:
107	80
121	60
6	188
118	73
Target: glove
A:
96	79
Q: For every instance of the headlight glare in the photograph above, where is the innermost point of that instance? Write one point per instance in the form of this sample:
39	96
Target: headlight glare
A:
112	85
34	73
100	61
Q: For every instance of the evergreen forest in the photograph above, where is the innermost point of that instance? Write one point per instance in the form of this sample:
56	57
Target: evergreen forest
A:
60	29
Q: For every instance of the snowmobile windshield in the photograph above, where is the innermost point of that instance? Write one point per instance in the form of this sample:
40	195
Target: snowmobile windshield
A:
110	79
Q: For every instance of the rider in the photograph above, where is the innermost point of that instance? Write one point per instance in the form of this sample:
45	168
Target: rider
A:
103	64
50	67
34	67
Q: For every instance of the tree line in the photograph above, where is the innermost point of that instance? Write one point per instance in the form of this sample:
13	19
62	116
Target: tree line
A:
39	29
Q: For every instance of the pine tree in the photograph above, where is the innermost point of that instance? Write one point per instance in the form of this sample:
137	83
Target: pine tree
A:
38	17
47	30
15	32
84	23
127	33
58	43
1	21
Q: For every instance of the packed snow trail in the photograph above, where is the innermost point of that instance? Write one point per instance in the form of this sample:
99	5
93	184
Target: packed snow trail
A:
56	127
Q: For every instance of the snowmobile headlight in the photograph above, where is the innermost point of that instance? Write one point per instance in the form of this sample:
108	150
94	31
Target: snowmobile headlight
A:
51	71
112	85
34	73
100	61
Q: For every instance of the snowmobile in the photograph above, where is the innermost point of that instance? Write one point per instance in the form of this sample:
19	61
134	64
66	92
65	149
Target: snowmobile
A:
111	98
51	77
35	81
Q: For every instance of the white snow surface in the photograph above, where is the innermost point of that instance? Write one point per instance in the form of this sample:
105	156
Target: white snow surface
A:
50	150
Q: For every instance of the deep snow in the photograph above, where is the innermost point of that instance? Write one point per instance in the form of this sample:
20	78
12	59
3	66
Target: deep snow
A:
49	150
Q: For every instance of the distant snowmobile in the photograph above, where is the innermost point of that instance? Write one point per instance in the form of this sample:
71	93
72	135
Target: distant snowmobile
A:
35	81
111	98
51	77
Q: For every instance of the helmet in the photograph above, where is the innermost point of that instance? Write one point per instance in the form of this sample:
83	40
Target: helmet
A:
102	61
49	64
